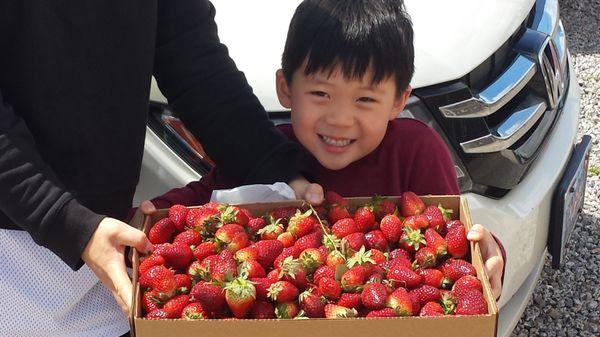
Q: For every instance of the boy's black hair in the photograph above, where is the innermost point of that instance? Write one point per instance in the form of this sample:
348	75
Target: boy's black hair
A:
353	34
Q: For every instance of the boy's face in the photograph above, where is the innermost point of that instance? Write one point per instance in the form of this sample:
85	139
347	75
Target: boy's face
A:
339	120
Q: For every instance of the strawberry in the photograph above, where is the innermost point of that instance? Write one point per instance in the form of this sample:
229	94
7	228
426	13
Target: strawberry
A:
268	250
457	242
287	239
293	271
255	224
350	300
399	252
270	231
157	314
335	258
211	296
178	214
287	310
233	236
333	198
364	217
282	291
400	301
404	276
323	271
162	231
189	238
411	204
329	287
385	312
150	301
262	284
287	252
411	240
240	295
391	227
312	240
333	311
273	275
416	304
224	267
432	277
174	307
454	269
355	240
183	282
449	301
431	309
466	283
245	254
200	271
251	268
302	223
434	240
443	229
311	259
161	280
344	227
471	303
437	215
312	304
150	261
177	255
205	249
337	213
283	214
377	256
262	310
427	293
397	262
383	206
353	279
202	219
416	222
426	257
374	296
194	311
232	215
376	239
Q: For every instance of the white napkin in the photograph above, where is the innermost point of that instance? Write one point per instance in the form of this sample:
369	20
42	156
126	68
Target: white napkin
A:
254	193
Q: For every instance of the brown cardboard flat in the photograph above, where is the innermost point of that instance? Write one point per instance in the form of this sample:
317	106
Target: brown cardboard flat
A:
449	326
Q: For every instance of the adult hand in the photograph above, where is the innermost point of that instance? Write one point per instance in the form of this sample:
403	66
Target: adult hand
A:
104	254
147	207
492	256
313	193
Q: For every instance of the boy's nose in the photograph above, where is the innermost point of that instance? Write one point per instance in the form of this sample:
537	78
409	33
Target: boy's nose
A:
339	116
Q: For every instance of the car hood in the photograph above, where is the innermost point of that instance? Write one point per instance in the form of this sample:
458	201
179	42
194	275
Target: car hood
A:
451	37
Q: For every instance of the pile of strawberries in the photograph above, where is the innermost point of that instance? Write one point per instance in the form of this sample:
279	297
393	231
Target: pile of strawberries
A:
380	260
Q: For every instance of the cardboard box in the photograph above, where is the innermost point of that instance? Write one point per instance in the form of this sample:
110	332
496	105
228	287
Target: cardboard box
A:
448	326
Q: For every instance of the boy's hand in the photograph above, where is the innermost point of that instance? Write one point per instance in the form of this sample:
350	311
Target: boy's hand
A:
147	207
104	254
313	193
492	256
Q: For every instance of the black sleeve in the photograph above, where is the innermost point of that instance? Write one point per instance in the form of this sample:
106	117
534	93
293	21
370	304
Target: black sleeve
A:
202	84
33	198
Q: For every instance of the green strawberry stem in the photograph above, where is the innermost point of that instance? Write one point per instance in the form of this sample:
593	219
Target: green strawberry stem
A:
325	234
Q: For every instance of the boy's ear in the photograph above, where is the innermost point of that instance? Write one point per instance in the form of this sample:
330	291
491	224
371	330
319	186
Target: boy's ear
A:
400	102
284	94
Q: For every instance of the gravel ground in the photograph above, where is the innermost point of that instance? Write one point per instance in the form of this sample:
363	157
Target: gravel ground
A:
566	302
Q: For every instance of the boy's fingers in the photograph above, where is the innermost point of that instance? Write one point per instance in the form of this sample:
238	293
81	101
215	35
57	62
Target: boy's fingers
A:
147	207
496	285
129	236
314	194
122	285
476	233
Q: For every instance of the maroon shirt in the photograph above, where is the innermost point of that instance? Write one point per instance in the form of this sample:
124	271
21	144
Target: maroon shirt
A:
411	157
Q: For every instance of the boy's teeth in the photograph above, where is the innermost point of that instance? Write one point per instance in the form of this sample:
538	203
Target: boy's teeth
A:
336	142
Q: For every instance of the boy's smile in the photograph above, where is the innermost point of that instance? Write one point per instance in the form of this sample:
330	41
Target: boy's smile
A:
339	120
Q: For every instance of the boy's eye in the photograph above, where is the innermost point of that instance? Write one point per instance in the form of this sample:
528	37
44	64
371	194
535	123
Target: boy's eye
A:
318	93
366	100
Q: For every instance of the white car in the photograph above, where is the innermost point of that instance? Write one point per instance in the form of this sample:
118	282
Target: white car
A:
493	77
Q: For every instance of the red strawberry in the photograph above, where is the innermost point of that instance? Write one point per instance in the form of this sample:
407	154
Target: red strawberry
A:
293	271
432	277
411	240
383	206
399	261
376	239
333	311
287	252
240	295
202	218
427	293
312	304
377	256
161	280
233	215
337	213
416	304
355	241
157	314
245	254
449	301
178	214
287	310
271	231
262	310
353	279
312	240
329	287
404	276
233	236
385	312
150	261
224	268
457	242
391	227
200	271
188	237
436	241
150	301
454	269
283	291
194	311
251	268
255	224
162	231
399	252
344	227
350	300
287	239
416	222
426	257
335	258
466	283
471	303
323	271
437	215
302	223
364	217
184	283
374	296
177	255
400	301
262	285
174	307
268	250
311	259
411	204
211	296
431	309
333	198
205	249
283	214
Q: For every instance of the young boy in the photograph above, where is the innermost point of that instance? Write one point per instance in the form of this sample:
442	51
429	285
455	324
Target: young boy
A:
345	77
